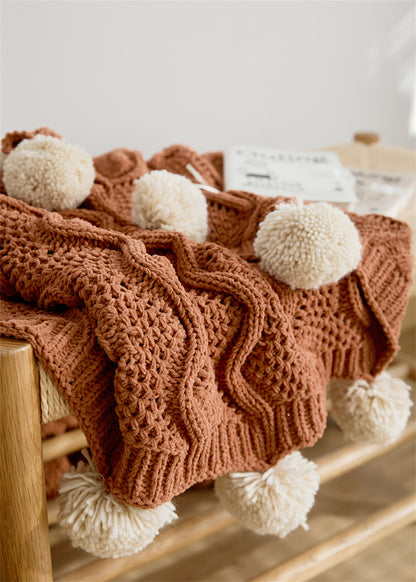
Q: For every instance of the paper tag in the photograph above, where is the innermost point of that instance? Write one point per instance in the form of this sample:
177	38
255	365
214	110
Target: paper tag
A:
382	193
310	175
200	180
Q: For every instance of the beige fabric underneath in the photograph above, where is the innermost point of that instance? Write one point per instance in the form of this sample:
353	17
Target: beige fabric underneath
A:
52	404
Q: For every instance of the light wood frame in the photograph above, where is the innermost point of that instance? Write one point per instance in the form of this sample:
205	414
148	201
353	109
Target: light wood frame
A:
25	550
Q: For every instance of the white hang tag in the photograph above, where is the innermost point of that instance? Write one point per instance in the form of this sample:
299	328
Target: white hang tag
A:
311	175
382	193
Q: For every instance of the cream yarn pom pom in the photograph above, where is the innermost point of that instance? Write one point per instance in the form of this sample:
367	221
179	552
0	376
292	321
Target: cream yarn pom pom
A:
166	201
307	246
275	502
100	524
49	173
375	412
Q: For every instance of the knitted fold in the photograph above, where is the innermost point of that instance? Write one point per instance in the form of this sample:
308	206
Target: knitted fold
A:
183	361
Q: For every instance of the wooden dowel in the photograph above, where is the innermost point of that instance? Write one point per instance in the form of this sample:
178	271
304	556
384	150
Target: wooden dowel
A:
169	541
407	361
201	526
63	444
353	456
52	511
25	551
400	369
344	545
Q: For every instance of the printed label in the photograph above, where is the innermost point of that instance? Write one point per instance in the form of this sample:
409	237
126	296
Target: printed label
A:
382	193
308	175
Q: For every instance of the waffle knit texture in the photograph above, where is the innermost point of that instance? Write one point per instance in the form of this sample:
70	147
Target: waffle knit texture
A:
183	361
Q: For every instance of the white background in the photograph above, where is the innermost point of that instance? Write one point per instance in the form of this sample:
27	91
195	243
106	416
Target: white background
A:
209	74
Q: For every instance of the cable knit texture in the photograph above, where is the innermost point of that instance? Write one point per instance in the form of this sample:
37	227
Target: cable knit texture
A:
183	361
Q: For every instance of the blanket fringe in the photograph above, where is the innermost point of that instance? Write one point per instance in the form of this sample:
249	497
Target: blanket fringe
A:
373	412
274	502
100	524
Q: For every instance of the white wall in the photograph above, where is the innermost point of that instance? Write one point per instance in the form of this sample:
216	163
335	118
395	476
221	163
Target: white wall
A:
148	74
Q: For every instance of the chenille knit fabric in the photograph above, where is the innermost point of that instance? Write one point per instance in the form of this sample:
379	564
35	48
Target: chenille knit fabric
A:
183	361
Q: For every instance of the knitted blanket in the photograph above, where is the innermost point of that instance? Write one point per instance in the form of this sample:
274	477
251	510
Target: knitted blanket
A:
183	361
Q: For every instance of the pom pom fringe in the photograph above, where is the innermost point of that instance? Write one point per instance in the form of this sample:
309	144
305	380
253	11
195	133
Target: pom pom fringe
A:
100	524
49	173
307	246
166	201
275	502
373	412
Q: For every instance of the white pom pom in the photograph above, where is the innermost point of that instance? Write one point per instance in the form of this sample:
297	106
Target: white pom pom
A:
165	201
96	522
275	502
49	173
307	246
375	412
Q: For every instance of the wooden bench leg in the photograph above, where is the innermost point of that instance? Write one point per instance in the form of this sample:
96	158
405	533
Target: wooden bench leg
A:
25	549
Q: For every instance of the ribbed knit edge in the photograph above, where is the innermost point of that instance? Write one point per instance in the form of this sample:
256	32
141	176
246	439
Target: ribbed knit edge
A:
386	288
347	363
146	478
